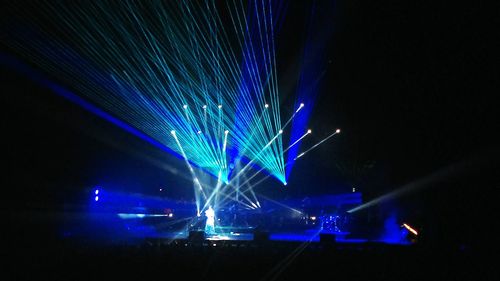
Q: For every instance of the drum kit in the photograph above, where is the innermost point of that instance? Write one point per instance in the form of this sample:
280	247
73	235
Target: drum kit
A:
334	223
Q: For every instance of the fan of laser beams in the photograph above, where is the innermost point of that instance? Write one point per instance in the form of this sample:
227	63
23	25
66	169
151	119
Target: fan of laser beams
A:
165	66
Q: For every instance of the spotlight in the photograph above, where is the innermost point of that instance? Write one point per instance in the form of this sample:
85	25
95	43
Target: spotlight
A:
281	131
199	132
96	191
309	131
410	229
300	155
226	132
205	106
96	198
285	183
172	132
220	106
337	131
266	106
185	106
170	215
300	107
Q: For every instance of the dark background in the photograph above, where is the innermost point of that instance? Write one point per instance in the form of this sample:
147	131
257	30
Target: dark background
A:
412	85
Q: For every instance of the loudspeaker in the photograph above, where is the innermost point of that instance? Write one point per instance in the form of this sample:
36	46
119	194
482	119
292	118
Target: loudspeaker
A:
327	238
196	235
261	236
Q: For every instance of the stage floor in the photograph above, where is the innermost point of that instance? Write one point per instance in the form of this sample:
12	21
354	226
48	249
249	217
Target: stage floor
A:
312	235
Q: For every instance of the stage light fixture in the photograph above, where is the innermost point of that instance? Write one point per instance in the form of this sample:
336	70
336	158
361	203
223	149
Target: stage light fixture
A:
411	229
300	107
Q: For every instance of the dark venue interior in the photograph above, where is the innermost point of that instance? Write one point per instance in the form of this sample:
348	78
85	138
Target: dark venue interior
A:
105	176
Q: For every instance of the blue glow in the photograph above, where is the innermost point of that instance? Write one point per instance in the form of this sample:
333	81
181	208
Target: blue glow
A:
295	237
393	233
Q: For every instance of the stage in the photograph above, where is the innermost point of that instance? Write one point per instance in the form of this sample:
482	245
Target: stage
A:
113	230
298	236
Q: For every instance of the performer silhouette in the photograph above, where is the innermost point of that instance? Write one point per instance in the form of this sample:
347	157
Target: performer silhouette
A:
210	224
